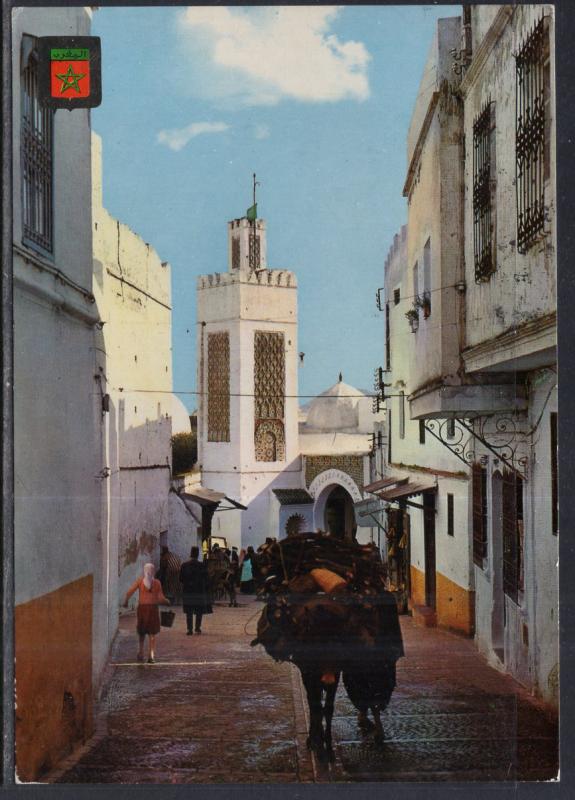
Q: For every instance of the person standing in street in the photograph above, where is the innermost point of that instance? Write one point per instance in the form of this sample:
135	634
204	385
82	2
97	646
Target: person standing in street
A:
194	580
150	596
247	584
169	575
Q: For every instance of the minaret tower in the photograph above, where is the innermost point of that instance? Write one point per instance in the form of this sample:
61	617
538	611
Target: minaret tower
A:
247	381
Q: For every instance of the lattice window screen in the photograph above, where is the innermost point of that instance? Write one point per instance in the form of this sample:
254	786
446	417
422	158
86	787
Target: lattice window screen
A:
219	387
269	395
254	254
235	252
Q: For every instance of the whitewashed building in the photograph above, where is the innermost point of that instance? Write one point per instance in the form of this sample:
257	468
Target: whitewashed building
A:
424	486
486	363
252	448
59	593
134	377
510	338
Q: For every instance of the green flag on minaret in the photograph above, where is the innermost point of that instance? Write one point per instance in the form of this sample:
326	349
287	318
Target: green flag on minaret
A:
252	213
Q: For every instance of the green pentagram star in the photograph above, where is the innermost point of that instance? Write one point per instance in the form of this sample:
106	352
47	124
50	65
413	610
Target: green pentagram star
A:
70	80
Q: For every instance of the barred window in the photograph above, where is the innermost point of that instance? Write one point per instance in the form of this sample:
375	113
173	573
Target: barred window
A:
512	512
531	134
484	193
479	490
36	139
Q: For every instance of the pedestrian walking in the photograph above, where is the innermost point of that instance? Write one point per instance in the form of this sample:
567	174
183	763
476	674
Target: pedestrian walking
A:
169	575
235	557
230	582
150	596
194	580
247	584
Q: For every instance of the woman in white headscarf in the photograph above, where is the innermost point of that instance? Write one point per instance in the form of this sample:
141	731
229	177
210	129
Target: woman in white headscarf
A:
150	596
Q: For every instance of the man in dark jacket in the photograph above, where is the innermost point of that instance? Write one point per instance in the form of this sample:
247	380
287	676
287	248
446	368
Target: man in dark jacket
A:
194	577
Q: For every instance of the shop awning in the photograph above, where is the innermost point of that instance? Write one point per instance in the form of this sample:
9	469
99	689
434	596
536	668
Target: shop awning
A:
293	497
406	490
208	497
381	484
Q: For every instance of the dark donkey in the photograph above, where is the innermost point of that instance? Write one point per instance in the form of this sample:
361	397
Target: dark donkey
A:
327	636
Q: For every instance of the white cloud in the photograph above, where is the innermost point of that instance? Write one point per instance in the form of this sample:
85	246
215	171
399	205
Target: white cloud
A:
259	56
262	131
177	138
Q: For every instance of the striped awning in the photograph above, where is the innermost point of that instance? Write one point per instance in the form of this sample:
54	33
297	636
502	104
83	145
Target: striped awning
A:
376	486
407	489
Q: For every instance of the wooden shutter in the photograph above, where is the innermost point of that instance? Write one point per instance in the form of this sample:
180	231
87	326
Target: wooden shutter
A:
512	509
479	502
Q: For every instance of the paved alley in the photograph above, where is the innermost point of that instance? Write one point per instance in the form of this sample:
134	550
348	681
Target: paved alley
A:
215	710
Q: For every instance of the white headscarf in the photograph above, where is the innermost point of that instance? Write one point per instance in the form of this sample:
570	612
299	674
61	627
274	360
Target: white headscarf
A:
149	571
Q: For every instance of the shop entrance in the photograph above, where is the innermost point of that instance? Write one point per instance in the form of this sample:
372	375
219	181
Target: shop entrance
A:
339	516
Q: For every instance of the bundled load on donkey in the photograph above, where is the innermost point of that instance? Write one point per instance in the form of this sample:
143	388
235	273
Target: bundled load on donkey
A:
327	611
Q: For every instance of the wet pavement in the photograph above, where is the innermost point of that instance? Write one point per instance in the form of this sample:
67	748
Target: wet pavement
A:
212	709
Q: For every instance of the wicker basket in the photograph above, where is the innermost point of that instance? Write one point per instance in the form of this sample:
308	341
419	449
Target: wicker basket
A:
167	618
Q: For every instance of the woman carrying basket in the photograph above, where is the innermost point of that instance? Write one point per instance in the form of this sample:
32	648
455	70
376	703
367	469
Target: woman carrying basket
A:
150	596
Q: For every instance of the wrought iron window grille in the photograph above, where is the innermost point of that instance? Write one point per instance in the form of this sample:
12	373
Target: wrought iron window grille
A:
36	147
502	436
483	193
531	138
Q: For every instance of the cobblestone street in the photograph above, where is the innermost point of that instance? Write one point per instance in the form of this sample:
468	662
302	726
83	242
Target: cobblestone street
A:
212	709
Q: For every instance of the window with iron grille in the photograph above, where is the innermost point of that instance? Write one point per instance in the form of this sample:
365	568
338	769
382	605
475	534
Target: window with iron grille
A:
531	134
36	137
450	428
483	193
479	491
421	431
512	513
402	415
396	296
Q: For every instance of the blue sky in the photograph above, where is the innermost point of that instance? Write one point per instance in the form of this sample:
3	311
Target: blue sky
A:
315	100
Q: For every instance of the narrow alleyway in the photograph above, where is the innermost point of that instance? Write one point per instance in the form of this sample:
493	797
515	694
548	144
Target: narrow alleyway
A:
213	709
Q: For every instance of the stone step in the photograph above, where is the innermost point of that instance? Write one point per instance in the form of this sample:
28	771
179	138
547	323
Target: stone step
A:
424	616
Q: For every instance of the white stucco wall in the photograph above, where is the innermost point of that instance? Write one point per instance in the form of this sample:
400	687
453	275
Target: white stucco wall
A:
58	431
132	287
523	286
434	201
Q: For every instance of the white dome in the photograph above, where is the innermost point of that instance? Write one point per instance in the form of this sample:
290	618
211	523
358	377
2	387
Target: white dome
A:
180	416
335	409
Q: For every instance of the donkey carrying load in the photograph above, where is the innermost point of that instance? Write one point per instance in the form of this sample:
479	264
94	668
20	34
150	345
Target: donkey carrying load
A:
328	612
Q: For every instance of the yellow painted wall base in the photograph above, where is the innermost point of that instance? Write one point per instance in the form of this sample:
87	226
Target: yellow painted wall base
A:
417	597
53	645
454	606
